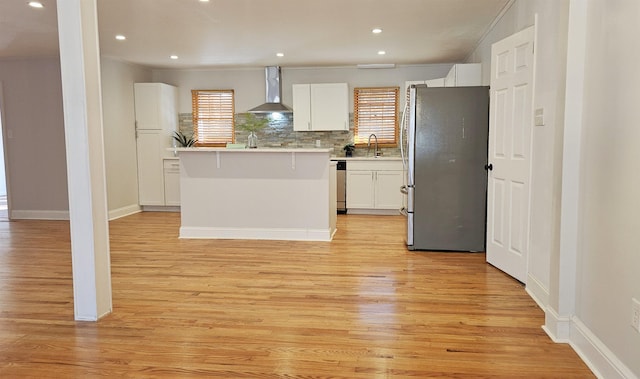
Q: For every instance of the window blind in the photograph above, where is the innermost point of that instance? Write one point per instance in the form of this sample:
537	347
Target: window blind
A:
213	121
376	112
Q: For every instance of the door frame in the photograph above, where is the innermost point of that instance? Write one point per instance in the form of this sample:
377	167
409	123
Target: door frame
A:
5	156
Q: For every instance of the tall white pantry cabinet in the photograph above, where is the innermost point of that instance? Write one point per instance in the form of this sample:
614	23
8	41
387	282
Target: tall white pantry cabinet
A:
156	107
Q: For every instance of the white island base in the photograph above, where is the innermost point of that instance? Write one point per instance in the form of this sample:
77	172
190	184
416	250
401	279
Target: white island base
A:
275	194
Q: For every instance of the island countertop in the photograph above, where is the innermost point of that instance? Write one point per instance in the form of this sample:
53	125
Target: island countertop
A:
263	150
285	194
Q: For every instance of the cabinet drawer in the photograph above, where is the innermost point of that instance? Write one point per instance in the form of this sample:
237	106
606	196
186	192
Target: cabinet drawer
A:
172	164
374	165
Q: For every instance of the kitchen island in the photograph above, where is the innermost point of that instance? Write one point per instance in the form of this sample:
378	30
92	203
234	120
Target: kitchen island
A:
276	194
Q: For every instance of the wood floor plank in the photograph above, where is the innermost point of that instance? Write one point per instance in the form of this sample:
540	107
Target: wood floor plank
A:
362	306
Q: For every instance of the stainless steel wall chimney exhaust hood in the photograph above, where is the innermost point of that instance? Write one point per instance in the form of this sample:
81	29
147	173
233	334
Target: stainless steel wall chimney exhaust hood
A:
273	91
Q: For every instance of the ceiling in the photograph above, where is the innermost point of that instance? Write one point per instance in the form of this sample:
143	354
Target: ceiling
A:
249	33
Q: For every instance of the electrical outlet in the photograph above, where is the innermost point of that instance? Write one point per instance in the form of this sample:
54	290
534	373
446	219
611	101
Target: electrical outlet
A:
539	117
635	314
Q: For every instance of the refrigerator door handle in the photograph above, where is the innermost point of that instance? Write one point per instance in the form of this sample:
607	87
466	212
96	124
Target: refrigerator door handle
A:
403	130
410	231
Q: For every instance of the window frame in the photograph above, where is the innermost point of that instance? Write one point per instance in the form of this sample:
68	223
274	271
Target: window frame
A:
359	108
227	116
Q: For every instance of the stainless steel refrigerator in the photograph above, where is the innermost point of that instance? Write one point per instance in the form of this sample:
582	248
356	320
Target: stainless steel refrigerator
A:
445	152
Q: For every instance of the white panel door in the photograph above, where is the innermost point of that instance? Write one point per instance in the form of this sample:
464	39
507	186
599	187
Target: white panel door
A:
511	118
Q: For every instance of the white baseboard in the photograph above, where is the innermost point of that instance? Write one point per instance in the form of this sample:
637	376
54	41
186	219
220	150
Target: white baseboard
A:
124	211
558	328
256	234
379	212
602	361
593	352
39	215
572	331
537	291
160	208
64	215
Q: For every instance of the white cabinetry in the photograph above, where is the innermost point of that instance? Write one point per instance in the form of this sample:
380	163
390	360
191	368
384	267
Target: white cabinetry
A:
318	107
150	175
460	75
172	182
464	75
360	189
156	120
435	82
301	107
374	185
387	189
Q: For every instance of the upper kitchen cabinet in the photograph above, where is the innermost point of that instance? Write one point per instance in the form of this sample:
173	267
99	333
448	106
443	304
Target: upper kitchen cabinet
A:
156	106
320	107
464	75
435	82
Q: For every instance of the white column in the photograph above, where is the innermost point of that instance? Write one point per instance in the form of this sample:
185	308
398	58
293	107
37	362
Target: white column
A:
81	94
562	291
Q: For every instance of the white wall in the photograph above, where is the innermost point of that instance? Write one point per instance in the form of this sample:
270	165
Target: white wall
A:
547	140
3	176
608	263
249	84
609	259
35	145
119	134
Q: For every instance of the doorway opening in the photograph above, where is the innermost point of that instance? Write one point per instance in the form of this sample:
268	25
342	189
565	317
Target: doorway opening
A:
4	203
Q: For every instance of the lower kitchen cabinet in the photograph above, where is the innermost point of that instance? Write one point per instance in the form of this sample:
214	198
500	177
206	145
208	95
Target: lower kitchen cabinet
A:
171	182
374	185
360	189
387	190
150	149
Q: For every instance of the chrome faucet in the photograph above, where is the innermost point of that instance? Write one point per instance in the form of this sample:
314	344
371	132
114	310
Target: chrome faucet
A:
376	152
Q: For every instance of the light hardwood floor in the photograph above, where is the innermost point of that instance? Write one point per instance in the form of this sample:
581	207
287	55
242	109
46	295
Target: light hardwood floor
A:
361	306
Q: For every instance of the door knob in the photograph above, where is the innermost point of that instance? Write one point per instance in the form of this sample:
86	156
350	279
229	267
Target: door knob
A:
488	167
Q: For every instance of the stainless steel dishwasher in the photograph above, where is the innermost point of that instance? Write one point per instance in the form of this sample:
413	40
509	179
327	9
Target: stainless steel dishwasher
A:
341	184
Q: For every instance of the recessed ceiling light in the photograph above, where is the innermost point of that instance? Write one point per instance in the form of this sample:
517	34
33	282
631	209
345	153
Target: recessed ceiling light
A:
382	52
204	1
120	37
280	55
376	31
174	57
36	4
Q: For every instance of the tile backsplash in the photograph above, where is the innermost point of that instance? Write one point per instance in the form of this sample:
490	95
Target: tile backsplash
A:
280	133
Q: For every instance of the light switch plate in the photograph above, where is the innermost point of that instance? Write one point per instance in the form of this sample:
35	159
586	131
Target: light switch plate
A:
539	117
635	314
